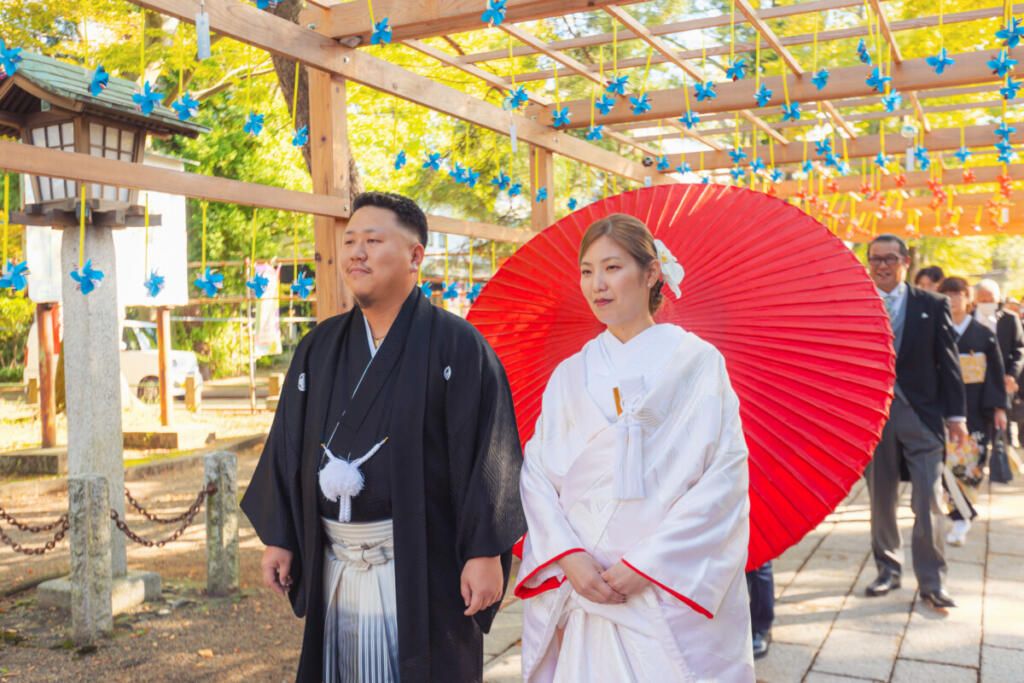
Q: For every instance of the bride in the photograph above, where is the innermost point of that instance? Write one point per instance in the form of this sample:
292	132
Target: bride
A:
635	491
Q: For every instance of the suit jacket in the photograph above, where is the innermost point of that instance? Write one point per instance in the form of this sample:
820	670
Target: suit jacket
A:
928	362
1010	334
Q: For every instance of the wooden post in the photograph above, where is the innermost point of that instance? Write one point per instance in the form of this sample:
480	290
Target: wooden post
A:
47	375
192	395
329	156
32	391
542	214
163	342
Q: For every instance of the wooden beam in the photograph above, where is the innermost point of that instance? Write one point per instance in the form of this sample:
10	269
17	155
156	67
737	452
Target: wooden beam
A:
263	30
894	51
769	35
560	57
350	21
912	74
915	180
644	33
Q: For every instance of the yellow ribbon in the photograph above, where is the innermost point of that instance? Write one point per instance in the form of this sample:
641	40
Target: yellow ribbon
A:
81	226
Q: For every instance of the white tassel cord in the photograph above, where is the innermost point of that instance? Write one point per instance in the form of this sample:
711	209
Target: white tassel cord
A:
342	480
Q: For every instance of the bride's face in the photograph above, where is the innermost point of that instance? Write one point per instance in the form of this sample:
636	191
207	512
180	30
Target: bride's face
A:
614	284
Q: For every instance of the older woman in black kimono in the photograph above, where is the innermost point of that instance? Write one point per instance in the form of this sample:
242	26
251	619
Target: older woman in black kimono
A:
981	364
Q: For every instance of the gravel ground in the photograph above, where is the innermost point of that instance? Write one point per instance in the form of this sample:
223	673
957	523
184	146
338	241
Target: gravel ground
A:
185	636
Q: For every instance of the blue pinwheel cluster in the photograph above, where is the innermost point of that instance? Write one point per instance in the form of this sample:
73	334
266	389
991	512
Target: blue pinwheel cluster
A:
427	289
433	161
451	291
301	137
940	61
253	124
823	147
705	91
154	284
640	104
737	155
1001	63
474	292
542	194
737	70
963	154
921	157
100	81
775	175
1011	34
302	285
14	277
9	58
186	106
400	160
757	165
560	117
595	133
604	104
832	161
471	177
210	282
515	189
807	166
458	173
148	99
892	101
862	52
820	78
763	95
876	80
87	277
1009	90
381	33
1006	151
517	97
1004	131
495	12
617	86
684	168
791	112
572	203
663	164
689	118
737	173
501	181
258	284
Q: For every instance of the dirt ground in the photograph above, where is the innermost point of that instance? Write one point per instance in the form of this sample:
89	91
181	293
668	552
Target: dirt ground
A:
186	636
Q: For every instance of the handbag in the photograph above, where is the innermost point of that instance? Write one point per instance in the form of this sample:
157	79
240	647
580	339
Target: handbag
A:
999	462
965	465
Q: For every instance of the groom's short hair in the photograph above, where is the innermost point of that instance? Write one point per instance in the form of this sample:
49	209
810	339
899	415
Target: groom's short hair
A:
408	212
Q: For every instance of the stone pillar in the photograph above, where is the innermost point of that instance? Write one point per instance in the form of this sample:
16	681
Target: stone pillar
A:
221	470
92	371
89	515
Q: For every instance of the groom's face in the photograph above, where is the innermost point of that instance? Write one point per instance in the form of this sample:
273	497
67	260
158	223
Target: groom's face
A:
379	257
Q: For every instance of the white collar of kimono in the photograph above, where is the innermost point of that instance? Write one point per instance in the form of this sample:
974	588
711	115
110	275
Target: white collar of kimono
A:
961	327
369	338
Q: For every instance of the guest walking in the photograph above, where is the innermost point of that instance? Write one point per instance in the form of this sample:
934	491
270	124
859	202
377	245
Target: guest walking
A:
928	278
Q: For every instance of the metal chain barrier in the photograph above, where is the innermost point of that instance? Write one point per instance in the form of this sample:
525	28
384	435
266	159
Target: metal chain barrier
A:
186	519
160	520
62	525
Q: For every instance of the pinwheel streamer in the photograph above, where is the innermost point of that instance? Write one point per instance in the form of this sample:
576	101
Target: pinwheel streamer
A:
87	277
14	275
381	31
9	59
154	282
301	136
940	61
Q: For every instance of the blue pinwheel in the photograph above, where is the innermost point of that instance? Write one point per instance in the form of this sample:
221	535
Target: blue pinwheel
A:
663	164
1006	154
381	33
451	291
689	118
791	112
1004	131
705	91
617	86
100	81
1011	34
757	165
862	52
517	97
1004	146
640	104
595	133
705	179
427	289
87	277
823	147
495	12
560	117
1009	91
471	177
737	155
604	104
253	124
737	70
9	58
433	161
922	158
1001	64
186	106
501	181
210	282
154	284
963	154
892	101
572	203
940	61
302	285
737	173
542	194
474	292
400	160
876	80
775	175
820	78
148	99
832	160
301	137
266	4
458	173
882	160
515	189
14	277
258	284
763	95
807	166
684	168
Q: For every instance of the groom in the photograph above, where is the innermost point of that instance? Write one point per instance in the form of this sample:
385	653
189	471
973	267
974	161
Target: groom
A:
420	395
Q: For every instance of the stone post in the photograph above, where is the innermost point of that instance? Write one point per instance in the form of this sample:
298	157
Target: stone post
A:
221	470
89	515
192	396
92	371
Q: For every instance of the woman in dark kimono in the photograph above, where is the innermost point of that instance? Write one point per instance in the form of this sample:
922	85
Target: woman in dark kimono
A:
981	364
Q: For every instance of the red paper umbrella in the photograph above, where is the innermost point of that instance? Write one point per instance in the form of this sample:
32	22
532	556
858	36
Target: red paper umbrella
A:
806	339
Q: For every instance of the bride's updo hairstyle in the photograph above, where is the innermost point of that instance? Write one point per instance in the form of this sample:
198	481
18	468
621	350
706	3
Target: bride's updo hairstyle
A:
631	234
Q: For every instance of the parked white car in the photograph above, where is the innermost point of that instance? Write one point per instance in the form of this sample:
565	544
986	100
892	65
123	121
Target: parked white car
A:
139	361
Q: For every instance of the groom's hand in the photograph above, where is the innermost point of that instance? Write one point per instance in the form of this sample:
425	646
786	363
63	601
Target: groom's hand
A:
481	583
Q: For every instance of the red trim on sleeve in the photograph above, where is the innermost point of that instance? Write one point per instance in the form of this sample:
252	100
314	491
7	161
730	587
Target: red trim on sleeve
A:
688	601
549	583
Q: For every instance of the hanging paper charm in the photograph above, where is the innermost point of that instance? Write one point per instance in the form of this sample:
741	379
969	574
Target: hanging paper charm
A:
266	4
691	119
791	112
210	282
684	168
775	175
495	12
474	292
100	80
88	278
253	124
876	80
572	203
471	177
258	284
820	78
737	155
433	161
737	173
882	160
9	58
458	173
892	101
187	107
663	164
148	99
517	97
14	276
940	61
301	137
1011	34
1003	131
427	289
757	165
515	190
704	91
640	104
381	33
862	52
737	70
302	285
542	194
763	95
595	133
604	104
1001	64
962	154
823	147
501	181
399	160
560	117
1009	91
154	284
617	86
451	291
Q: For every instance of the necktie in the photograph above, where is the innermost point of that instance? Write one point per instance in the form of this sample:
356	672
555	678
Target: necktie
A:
890	304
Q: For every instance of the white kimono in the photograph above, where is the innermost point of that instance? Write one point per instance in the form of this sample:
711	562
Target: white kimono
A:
656	478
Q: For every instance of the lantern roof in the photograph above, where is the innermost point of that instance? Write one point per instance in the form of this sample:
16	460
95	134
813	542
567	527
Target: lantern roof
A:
66	86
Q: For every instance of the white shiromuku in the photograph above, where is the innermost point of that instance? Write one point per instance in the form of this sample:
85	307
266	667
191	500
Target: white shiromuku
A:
658	481
361	622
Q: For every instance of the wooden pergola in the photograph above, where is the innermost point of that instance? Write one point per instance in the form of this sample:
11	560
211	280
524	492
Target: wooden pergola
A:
327	40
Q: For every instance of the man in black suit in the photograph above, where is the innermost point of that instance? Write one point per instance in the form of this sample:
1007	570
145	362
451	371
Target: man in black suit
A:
929	391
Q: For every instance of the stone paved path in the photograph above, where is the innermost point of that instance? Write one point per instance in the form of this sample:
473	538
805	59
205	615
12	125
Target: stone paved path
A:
827	631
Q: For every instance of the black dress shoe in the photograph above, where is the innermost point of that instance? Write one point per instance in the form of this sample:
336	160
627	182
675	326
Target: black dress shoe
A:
938	599
761	640
885	582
